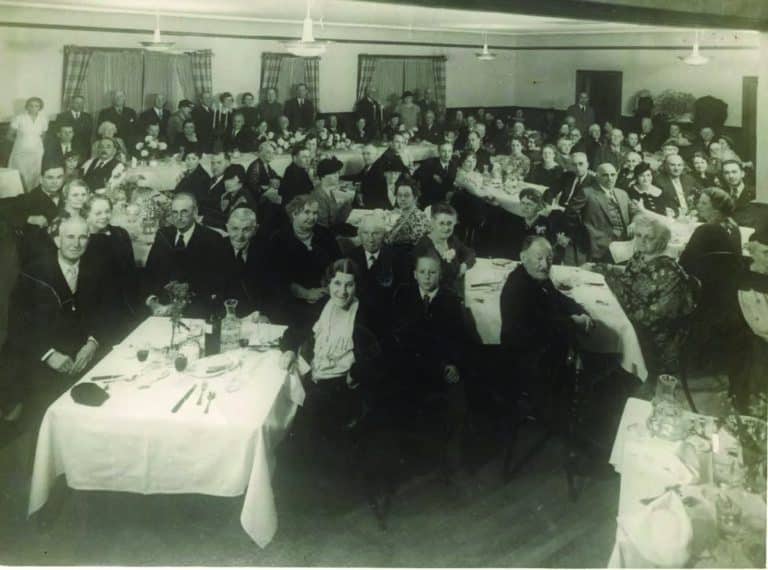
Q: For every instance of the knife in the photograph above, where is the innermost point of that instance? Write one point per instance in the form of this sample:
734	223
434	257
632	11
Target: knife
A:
184	398
106	377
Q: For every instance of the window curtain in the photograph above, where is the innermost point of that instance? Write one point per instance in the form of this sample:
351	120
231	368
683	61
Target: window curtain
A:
292	72
312	79
270	72
418	74
202	70
388	81
438	69
366	66
76	61
168	74
114	70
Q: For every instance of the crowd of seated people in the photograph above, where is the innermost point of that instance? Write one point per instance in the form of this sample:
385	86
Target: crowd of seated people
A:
379	317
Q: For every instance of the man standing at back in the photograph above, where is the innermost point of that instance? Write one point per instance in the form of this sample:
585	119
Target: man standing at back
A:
123	117
301	110
81	122
582	112
370	109
203	116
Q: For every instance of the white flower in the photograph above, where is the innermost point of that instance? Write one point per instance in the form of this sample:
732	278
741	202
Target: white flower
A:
148	138
153	144
449	255
139	146
415	129
541	230
144	153
162	146
270	135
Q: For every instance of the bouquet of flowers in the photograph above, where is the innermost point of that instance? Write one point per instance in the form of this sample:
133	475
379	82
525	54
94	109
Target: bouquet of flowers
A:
408	134
180	297
330	141
151	148
285	141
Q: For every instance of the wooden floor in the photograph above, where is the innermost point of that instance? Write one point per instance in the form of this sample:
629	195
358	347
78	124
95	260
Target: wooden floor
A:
324	521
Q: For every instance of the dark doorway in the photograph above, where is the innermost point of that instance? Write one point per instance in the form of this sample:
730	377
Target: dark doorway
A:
604	89
749	117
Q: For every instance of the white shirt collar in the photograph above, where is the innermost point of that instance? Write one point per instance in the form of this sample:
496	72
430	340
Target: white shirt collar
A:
65	265
187	234
430	296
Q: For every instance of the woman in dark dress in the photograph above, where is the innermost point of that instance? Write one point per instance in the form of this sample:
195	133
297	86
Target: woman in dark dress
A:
547	172
700	171
194	179
648	196
718	233
111	246
297	257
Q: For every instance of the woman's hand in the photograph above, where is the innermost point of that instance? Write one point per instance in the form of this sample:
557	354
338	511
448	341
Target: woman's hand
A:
584	321
463	269
314	295
563	240
287	359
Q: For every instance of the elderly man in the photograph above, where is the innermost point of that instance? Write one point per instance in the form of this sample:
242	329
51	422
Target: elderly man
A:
582	112
430	131
239	137
300	110
373	182
59	318
156	114
81	121
176	121
679	189
260	176
395	157
648	138
370	109
331	214
360	134
98	171
296	179
203	115
475	144
607	213
375	260
209	199
189	253
742	194
270	109
124	118
538	327
613	152
436	176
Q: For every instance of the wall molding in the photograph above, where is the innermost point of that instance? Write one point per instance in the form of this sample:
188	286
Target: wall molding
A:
143	31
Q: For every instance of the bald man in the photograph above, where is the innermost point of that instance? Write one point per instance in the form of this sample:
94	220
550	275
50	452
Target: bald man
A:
607	213
679	189
190	253
122	116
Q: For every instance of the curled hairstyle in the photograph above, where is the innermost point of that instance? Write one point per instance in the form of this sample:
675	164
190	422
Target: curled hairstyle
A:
344	265
298	203
76	183
85	211
531	194
443	208
642	168
661	232
720	200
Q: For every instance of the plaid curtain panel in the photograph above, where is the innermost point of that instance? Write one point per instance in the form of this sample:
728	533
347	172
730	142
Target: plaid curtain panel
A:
438	70
270	71
312	79
76	60
366	65
202	74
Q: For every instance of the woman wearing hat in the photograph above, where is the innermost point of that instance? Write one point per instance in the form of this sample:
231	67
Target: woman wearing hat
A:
410	112
331	214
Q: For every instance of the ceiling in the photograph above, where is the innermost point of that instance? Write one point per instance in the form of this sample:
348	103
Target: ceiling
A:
350	13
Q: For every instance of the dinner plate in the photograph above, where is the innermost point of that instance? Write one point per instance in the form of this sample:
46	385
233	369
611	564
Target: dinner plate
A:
213	366
501	262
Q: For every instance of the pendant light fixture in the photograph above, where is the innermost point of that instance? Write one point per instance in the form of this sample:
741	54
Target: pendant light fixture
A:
157	43
307	46
485	54
695	58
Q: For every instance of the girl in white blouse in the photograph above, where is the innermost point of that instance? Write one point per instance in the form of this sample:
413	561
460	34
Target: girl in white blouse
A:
26	133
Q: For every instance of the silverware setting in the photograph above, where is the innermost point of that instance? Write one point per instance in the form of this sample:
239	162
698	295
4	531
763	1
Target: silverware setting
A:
202	393
211	396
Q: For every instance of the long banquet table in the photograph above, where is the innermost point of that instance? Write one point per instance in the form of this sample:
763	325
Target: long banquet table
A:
10	183
613	332
164	175
134	443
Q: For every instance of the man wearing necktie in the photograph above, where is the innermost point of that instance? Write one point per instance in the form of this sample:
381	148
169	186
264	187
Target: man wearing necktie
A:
81	121
57	322
300	110
607	213
56	150
98	171
582	112
436	176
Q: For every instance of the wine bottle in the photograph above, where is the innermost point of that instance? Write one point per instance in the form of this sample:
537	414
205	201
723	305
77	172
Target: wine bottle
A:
213	329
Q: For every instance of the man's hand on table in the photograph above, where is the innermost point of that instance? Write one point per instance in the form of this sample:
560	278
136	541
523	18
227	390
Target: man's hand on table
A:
583	321
60	362
84	356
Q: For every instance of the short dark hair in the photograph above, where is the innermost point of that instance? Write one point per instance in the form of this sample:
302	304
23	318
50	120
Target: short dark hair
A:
426	254
531	194
720	200
185	103
732	161
641	168
64	123
297	148
530	240
235	171
188	122
465	155
50	165
408	180
198	153
225	95
344	265
443	208
244	95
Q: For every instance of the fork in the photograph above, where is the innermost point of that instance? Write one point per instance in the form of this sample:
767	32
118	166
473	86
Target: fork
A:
211	396
200	397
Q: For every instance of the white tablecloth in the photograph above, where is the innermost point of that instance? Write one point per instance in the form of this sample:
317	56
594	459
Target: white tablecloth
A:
133	443
613	333
10	183
164	175
681	233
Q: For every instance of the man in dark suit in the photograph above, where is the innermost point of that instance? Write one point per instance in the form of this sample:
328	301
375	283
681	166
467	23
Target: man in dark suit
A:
203	116
260	176
429	347
246	250
57	321
239	137
296	178
124	118
607	213
582	112
613	151
176	122
649	138
538	326
373	182
370	109
300	111
436	176
100	169
430	131
55	150
743	195
360	133
31	214
679	189
82	123
394	159
157	114
209	202
475	144
189	253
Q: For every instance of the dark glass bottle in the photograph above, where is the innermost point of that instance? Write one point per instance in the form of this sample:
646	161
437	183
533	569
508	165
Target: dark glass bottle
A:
213	329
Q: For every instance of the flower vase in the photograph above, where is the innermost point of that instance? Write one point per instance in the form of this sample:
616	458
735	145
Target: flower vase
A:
153	162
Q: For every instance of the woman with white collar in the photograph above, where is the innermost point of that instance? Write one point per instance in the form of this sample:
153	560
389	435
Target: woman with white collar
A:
647	196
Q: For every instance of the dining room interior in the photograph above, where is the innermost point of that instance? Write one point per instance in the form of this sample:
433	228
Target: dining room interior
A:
386	283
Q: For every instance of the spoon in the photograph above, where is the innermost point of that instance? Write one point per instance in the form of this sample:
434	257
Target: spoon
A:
211	396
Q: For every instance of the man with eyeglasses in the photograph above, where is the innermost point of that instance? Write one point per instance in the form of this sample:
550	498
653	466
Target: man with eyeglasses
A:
189	253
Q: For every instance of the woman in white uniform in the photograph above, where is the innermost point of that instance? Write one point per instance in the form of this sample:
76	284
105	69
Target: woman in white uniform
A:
26	133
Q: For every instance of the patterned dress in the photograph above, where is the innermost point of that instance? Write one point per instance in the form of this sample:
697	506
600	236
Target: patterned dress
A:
657	296
410	227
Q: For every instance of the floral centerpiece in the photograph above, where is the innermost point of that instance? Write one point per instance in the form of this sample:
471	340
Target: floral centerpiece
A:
151	148
408	134
286	140
331	141
180	296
